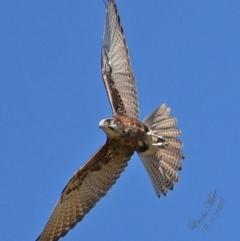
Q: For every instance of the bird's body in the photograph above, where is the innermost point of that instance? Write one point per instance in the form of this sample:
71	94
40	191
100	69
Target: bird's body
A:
154	139
131	133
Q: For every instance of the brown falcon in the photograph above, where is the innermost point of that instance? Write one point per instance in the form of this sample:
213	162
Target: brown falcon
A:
154	139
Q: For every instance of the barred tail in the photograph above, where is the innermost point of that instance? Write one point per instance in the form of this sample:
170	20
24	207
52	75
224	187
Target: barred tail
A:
163	159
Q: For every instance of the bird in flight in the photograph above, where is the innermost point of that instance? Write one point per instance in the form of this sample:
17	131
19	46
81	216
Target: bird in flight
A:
154	139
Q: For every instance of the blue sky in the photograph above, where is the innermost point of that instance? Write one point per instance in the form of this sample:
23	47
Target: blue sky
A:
184	53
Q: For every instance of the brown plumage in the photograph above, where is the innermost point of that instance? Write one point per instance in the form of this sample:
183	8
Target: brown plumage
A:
154	139
116	67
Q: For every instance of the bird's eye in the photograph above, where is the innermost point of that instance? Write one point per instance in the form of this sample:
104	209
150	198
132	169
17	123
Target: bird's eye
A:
108	121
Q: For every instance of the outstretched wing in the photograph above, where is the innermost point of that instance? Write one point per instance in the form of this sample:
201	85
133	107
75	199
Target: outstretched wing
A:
116	67
85	188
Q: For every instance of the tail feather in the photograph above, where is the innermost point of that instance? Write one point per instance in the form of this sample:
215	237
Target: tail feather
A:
168	122
175	143
152	167
171	159
162	111
167	132
163	159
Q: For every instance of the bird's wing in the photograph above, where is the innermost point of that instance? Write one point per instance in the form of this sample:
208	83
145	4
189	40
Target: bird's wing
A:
85	188
116	67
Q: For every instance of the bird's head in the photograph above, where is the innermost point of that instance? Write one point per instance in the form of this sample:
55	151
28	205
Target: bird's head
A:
112	127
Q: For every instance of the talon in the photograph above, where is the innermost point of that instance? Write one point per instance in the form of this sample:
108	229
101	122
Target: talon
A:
160	144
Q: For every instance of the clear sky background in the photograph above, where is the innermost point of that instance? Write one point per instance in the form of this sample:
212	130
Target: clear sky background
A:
184	53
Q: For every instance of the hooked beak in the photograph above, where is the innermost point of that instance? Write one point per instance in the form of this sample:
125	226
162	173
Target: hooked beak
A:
101	124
